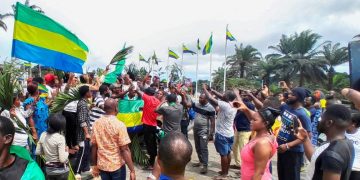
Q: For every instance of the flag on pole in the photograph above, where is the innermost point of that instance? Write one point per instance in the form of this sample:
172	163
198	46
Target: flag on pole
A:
172	54
156	60
198	44
229	36
141	58
208	46
187	50
41	40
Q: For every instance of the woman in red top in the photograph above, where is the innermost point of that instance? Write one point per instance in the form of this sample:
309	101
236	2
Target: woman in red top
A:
257	154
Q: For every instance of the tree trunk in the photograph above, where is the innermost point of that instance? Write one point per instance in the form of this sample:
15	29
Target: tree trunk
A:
330	78
242	70
301	82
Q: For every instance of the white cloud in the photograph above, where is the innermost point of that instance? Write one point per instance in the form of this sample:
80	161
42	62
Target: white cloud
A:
157	25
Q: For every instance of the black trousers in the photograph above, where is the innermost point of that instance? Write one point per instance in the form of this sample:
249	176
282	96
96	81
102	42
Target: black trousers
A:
83	158
150	142
355	175
70	132
289	165
201	145
184	124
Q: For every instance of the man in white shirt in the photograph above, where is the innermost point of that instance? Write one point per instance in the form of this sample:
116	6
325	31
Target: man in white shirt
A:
224	131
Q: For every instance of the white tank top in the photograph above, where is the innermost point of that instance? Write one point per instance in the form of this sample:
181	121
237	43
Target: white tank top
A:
355	138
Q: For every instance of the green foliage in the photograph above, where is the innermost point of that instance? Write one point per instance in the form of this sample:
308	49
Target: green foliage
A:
64	98
121	54
7	87
341	80
138	155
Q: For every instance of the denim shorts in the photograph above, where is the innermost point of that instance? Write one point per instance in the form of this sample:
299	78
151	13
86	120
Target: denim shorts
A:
223	144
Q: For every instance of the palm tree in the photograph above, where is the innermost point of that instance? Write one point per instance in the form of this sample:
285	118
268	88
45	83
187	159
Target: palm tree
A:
305	57
243	57
335	55
265	68
218	78
2	23
300	54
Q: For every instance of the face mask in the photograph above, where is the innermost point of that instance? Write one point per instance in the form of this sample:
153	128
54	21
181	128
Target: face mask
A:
108	95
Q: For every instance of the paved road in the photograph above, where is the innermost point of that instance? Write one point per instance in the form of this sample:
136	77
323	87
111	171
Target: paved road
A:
214	166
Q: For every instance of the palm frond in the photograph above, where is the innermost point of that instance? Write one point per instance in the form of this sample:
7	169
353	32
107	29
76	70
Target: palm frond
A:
3	25
64	98
138	155
121	54
7	87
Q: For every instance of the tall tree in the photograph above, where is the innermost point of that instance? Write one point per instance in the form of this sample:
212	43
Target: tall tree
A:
243	57
335	55
218	78
299	52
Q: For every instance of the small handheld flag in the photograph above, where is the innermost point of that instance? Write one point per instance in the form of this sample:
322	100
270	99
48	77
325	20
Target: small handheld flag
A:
198	44
187	50
41	40
156	60
229	36
141	58
208	46
172	54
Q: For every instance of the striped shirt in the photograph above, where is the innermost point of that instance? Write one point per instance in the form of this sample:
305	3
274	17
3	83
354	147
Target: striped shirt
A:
96	111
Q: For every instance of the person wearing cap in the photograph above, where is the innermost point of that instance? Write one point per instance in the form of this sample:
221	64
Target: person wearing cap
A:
149	122
291	150
50	84
256	155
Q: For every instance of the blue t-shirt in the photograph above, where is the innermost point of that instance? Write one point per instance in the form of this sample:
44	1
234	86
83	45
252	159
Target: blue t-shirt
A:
286	133
41	113
163	177
241	121
312	111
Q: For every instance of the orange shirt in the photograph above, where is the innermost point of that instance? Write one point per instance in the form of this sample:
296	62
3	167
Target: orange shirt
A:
109	134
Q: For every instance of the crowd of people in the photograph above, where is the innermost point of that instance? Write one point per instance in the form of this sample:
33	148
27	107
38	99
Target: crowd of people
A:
302	129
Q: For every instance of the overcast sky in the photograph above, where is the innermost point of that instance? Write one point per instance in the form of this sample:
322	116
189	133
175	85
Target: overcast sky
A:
157	25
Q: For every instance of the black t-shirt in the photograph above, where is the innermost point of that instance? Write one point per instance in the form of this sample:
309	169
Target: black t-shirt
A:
15	170
337	158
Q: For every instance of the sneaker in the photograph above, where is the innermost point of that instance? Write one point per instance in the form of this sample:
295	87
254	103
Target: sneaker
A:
203	170
196	165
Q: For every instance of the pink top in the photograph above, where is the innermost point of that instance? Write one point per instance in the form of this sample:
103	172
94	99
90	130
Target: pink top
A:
248	160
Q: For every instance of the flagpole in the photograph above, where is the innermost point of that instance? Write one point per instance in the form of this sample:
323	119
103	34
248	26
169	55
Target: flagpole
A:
182	66
210	68
167	67
39	70
225	67
197	69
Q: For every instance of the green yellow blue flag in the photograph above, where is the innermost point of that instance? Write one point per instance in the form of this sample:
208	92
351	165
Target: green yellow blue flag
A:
208	46
27	64
229	36
187	50
41	40
172	54
130	114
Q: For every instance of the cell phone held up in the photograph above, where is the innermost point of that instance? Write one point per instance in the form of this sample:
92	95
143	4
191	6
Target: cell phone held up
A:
295	123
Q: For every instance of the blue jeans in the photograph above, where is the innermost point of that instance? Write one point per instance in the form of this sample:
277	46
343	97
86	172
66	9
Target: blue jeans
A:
119	174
